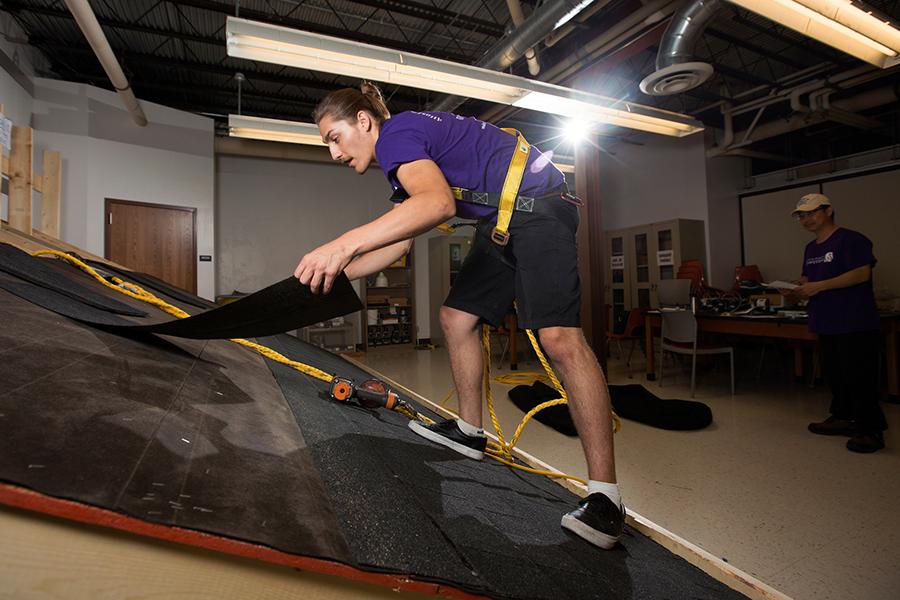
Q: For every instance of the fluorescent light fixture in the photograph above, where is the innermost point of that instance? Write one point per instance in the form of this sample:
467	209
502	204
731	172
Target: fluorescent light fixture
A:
839	23
301	49
274	130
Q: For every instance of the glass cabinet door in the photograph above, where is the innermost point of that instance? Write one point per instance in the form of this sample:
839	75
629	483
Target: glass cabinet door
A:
641	271
617	285
665	254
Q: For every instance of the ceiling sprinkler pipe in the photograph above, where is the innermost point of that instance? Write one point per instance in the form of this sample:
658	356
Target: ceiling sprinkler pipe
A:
515	12
503	54
569	27
89	25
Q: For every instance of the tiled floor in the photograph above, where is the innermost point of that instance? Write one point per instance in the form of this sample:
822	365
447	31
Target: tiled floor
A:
796	510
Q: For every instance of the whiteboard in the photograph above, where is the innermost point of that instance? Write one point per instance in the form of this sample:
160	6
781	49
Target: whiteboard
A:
870	204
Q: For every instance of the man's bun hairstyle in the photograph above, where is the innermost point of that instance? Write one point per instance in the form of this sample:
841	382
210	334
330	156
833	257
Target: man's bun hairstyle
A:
345	104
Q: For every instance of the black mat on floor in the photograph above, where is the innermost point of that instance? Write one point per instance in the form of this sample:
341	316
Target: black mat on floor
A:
637	403
526	397
283	306
416	507
633	402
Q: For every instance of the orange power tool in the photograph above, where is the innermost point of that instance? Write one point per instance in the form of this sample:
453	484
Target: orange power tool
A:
371	393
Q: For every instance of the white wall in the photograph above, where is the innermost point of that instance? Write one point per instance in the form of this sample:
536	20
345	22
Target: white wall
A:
664	178
16	64
105	155
724	181
271	211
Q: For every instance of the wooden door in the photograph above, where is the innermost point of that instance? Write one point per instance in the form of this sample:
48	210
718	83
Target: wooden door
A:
155	239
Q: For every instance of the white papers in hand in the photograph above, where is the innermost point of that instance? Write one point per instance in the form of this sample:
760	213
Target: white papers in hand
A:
781	285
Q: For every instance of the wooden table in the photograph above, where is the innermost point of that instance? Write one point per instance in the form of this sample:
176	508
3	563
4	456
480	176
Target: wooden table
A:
783	328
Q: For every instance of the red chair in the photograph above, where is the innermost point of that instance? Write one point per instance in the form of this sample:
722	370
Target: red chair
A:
746	273
693	270
635	321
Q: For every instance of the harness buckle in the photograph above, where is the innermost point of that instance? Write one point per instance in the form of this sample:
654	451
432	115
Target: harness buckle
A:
501	238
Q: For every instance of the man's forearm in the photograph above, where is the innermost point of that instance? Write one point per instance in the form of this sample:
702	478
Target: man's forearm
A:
848	279
415	215
376	260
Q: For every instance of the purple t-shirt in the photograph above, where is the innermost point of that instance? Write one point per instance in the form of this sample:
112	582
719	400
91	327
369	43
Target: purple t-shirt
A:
470	153
843	310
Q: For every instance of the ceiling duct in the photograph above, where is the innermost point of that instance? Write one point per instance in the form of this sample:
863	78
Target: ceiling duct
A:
676	69
539	25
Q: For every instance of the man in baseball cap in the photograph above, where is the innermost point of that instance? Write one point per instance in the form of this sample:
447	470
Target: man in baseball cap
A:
837	281
810	203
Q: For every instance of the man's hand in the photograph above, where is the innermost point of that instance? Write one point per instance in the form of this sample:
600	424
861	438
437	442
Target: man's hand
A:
808	289
320	267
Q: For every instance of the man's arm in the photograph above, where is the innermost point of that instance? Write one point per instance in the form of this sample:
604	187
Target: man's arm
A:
430	203
850	278
376	260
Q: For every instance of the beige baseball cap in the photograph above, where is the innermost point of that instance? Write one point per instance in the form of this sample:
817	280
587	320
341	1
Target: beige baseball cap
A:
810	202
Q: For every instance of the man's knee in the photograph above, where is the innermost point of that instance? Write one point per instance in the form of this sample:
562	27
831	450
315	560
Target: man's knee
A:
455	322
560	343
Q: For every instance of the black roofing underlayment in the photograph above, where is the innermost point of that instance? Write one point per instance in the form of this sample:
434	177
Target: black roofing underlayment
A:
282	306
207	435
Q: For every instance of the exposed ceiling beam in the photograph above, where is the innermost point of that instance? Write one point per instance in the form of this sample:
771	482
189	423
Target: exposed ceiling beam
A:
264	17
756	49
435	14
135	58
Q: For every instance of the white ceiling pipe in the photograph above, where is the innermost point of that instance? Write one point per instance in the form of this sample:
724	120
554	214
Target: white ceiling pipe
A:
570	26
515	12
864	101
87	20
612	38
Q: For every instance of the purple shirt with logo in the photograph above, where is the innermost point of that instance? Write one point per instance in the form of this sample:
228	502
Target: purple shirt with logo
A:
843	310
470	153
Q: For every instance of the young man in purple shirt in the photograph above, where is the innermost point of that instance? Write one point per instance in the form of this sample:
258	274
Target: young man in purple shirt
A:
423	154
837	281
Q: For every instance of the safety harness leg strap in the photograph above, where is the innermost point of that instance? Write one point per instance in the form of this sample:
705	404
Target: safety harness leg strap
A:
510	191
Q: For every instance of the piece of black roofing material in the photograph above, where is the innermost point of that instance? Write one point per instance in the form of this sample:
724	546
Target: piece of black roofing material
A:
283	306
37	271
153	284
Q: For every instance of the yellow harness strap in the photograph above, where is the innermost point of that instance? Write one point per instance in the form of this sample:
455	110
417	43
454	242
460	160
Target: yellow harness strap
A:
500	234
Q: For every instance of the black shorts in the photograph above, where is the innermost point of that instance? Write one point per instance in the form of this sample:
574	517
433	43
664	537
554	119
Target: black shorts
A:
538	269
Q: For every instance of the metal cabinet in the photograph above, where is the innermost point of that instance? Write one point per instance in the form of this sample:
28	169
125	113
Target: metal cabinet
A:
640	257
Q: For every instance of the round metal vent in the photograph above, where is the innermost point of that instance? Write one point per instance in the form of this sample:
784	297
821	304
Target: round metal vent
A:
675	79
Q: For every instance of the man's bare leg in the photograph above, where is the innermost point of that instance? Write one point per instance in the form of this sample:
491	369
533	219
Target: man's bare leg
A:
463	334
589	401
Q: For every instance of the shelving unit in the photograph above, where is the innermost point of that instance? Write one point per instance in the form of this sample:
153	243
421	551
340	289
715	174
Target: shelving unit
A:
389	316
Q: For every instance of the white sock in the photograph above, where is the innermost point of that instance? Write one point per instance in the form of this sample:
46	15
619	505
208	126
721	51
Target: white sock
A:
469	430
610	490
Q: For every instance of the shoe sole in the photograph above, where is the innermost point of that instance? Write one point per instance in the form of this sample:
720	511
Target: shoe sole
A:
428	434
597	538
864	449
843	432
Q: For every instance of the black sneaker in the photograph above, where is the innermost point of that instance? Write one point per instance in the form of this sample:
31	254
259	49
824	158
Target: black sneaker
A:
866	443
447	433
833	426
597	520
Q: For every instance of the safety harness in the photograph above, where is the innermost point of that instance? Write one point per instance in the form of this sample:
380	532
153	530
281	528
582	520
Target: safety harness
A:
508	200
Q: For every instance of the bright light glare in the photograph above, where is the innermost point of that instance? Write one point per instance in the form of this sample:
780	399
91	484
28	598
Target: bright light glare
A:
575	131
